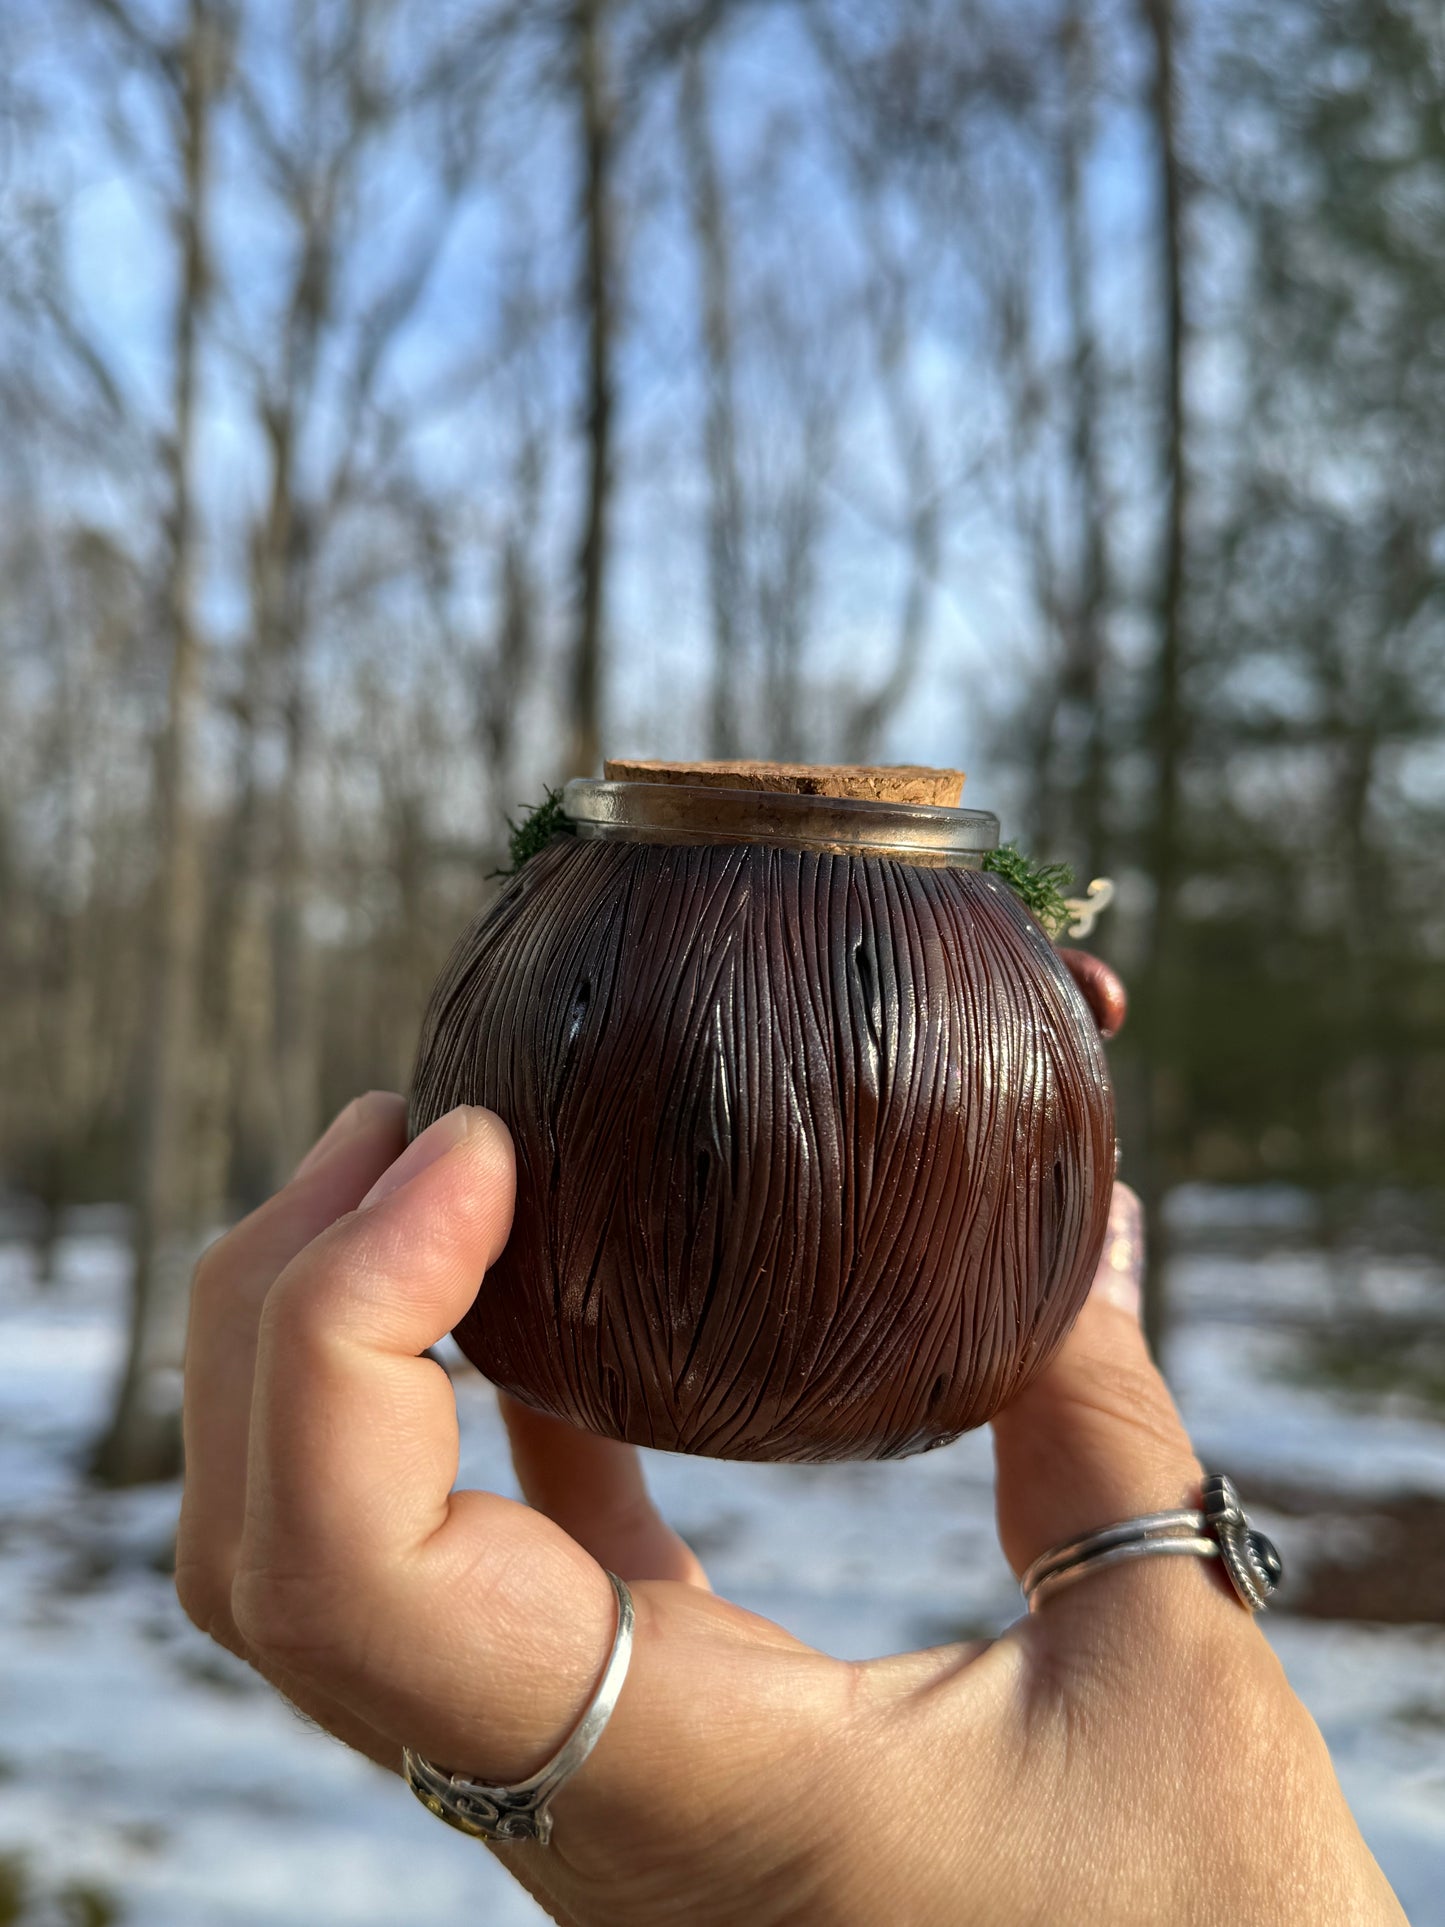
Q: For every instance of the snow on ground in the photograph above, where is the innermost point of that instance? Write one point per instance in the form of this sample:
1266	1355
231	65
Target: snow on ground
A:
141	1762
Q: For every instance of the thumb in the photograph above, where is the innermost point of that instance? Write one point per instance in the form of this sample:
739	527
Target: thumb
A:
1095	1438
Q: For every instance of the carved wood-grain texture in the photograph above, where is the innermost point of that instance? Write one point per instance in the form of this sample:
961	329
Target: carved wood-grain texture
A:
814	1152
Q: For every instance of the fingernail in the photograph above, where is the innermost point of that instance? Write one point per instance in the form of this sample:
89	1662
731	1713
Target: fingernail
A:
435	1141
1121	1264
346	1123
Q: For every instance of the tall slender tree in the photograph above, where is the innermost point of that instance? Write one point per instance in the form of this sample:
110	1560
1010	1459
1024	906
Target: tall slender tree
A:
1084	678
725	560
597	134
143	1439
1165	722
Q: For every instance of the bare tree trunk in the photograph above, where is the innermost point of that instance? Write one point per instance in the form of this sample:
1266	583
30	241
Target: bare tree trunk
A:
504	679
284	553
62	1017
284	562
1084	664
295	1065
498	675
238	1020
1166	713
724	532
784	605
598	301
867	719
143	1440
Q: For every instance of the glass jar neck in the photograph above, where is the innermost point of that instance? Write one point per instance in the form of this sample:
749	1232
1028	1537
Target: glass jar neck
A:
836	826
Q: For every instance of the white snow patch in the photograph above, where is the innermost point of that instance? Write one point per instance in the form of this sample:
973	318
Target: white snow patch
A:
206	1800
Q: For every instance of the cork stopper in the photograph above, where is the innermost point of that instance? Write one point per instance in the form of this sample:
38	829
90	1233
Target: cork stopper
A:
886	783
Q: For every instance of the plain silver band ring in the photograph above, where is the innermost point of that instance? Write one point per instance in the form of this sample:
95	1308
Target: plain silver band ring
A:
1037	1585
1221	1531
522	1812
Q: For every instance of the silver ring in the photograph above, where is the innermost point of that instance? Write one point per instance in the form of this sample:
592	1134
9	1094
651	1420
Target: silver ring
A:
522	1812
1220	1530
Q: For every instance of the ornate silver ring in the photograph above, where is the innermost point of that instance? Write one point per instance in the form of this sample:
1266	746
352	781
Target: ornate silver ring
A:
522	1812
1219	1530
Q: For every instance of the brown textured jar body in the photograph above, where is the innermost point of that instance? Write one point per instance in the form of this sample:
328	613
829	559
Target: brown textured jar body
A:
814	1152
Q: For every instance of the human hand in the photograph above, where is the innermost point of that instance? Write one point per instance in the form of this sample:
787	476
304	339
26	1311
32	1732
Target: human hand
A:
1130	1753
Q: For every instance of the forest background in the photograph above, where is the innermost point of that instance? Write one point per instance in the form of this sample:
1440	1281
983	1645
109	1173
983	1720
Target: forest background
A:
399	406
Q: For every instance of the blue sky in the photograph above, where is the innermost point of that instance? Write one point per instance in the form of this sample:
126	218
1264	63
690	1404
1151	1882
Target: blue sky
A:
796	243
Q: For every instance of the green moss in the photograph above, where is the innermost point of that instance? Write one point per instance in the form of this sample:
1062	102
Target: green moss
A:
1039	887
535	831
